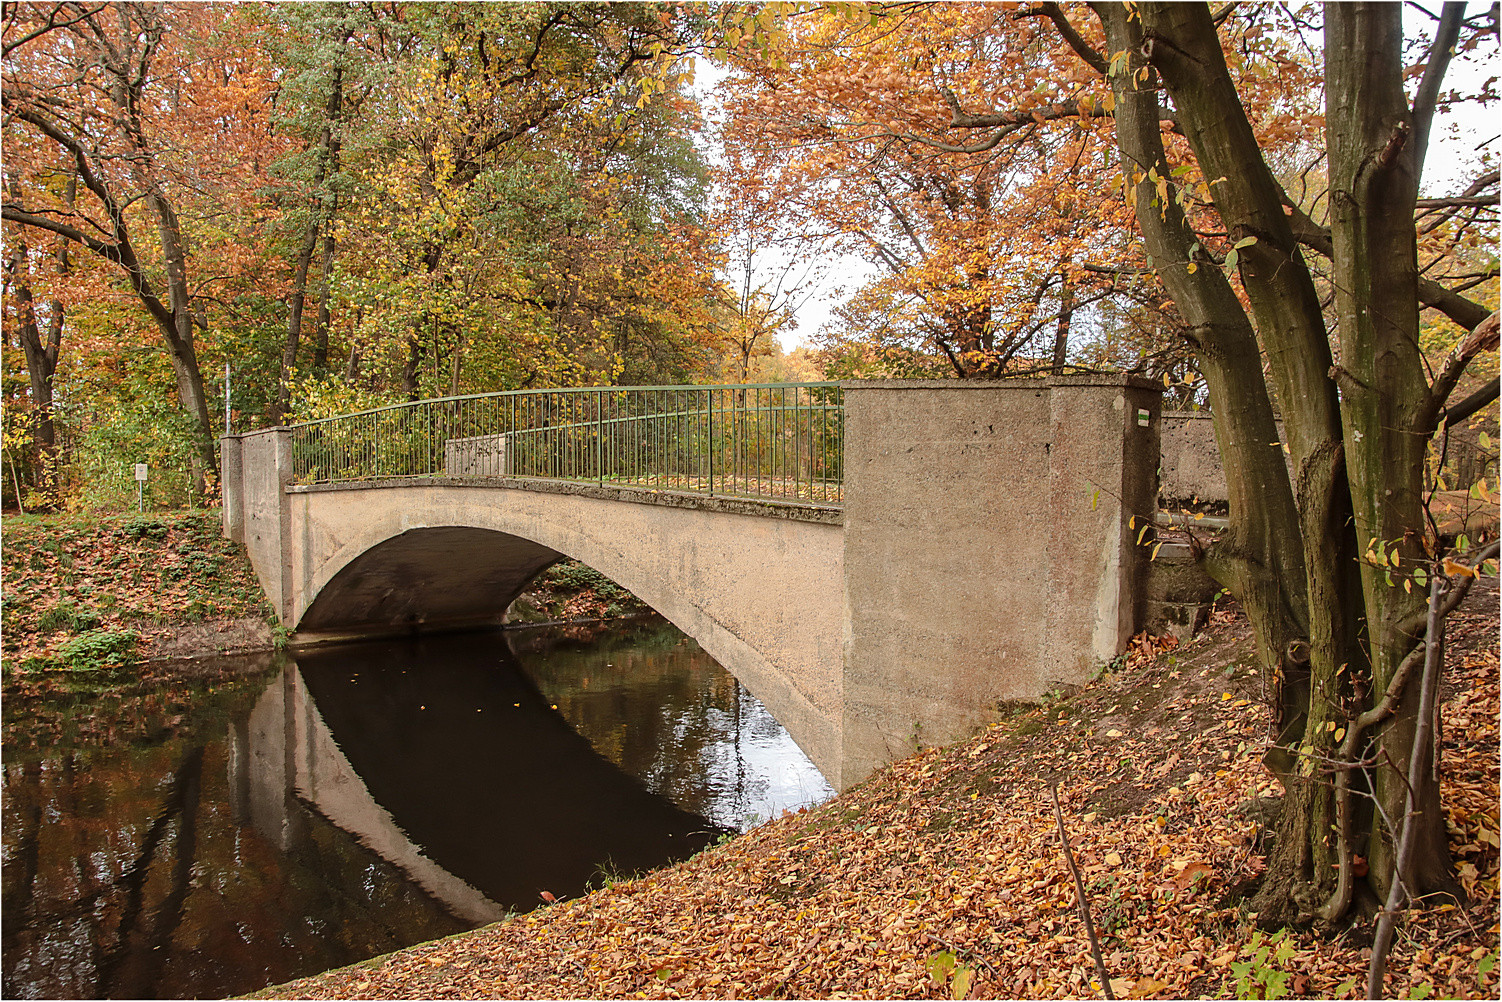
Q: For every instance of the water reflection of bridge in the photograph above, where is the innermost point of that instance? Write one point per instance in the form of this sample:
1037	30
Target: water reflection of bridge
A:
444	772
286	752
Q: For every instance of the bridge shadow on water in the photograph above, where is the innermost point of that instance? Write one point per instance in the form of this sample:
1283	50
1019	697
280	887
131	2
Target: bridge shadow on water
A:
471	762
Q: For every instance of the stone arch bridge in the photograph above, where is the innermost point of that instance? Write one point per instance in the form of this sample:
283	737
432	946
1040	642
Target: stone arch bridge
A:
968	543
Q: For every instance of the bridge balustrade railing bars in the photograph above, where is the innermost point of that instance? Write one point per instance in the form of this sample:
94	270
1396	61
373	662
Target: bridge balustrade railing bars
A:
777	441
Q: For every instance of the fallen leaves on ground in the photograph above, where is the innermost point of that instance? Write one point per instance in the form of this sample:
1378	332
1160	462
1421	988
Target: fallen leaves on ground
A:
955	851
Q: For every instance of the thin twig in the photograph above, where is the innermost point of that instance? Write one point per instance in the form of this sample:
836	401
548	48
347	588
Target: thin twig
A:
1434	646
960	951
783	983
1079	893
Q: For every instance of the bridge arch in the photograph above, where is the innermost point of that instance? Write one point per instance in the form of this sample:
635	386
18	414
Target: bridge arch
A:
763	596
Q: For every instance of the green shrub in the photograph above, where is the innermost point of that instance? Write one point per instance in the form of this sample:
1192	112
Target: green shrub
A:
100	650
575	576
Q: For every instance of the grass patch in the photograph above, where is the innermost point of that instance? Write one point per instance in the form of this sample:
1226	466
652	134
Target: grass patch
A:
100	650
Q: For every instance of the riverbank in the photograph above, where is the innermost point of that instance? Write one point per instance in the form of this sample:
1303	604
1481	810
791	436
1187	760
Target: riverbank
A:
96	598
941	876
94	602
116	626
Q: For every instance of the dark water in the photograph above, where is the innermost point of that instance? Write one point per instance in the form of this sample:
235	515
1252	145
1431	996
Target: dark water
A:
371	796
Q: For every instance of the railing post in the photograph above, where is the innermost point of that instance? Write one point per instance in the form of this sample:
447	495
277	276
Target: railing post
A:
709	409
600	437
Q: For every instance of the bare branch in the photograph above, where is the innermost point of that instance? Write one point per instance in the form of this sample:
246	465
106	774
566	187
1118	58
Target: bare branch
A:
1440	53
1082	48
1463	311
1473	403
1079	892
1484	337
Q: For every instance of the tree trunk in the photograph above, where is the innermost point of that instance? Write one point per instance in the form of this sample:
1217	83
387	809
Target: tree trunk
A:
328	159
321	332
412	368
294	323
41	356
177	329
41	351
1374	173
1066	316
1262	558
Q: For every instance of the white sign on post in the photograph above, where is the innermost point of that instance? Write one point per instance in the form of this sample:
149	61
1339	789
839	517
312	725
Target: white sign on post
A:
140	487
141	472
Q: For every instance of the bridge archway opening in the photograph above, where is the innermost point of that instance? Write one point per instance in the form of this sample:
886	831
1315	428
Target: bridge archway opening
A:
426	580
436	579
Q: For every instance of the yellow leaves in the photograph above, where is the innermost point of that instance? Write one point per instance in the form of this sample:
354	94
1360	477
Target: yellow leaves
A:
1455	568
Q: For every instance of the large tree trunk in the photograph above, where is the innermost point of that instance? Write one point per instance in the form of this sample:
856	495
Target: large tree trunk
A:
1374	175
41	355
1283	561
41	350
328	163
1335	631
321	332
1066	317
294	323
177	330
1261	557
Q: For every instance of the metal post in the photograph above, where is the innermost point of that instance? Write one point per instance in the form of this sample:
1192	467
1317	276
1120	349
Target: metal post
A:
709	407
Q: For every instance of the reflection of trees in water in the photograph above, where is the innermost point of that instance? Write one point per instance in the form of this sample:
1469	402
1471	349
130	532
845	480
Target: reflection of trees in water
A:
127	874
649	699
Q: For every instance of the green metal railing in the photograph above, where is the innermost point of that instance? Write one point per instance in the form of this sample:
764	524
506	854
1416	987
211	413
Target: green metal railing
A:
782	441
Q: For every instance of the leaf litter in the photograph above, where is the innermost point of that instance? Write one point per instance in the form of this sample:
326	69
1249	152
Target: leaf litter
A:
942	876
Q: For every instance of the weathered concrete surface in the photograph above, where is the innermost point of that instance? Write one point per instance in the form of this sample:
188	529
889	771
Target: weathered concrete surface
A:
1191	469
985	554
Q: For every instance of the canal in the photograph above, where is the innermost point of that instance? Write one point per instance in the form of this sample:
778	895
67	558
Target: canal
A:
361	798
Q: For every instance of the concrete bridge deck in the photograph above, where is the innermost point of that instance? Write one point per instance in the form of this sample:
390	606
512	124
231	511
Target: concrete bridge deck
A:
982	553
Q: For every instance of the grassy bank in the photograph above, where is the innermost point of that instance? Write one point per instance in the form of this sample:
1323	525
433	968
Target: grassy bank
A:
942	876
105	594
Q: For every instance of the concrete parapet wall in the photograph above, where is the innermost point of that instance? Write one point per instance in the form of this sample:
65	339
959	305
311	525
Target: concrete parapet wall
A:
987	554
